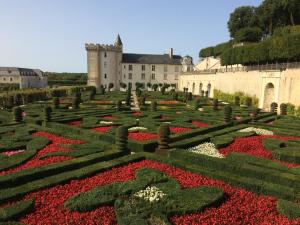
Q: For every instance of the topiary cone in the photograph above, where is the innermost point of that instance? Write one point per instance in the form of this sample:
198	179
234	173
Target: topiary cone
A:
122	138
283	109
274	107
227	113
164	139
17	112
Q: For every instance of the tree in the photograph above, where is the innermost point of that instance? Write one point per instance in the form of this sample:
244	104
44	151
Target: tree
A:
196	104
249	34
237	100
118	105
274	107
242	17
56	102
283	109
101	90
47	113
93	93
123	85
149	85
154	106
215	104
154	87
255	113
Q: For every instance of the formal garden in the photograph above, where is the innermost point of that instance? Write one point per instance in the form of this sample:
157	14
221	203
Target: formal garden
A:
80	156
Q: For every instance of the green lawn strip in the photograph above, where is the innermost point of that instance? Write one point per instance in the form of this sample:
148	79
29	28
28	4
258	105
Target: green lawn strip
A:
27	175
16	210
64	177
289	209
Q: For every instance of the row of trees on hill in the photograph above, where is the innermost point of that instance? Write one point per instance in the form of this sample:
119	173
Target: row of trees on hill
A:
269	33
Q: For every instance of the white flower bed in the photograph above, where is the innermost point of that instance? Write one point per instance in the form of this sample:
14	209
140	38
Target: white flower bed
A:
106	122
208	149
258	131
151	194
133	129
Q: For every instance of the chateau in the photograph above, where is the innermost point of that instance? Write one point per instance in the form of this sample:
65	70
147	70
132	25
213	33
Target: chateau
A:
23	77
108	64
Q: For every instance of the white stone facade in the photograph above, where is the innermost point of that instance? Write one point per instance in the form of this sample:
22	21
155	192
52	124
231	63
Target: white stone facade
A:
24	78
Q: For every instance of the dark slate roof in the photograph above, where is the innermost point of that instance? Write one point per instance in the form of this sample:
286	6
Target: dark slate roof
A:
151	59
15	71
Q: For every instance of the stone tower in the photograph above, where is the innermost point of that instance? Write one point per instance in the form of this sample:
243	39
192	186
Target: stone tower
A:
104	64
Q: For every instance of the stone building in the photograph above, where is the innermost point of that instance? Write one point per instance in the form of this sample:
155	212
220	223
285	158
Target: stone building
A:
108	64
25	78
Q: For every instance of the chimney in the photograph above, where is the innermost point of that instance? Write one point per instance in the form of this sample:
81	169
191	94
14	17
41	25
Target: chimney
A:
171	53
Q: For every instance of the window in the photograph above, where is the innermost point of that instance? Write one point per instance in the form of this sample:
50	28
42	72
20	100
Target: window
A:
165	68
124	76
10	79
143	67
153	76
143	76
176	69
130	76
176	76
105	64
130	67
124	66
105	54
105	76
4	79
165	76
153	68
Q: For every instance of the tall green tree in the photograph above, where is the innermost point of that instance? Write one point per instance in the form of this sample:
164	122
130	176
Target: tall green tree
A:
242	17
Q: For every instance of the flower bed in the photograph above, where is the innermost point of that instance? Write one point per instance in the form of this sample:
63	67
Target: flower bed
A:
56	141
258	131
253	146
208	149
134	129
239	207
137	114
10	153
199	124
142	136
176	130
102	129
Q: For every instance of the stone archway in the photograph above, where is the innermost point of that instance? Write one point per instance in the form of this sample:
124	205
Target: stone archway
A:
269	96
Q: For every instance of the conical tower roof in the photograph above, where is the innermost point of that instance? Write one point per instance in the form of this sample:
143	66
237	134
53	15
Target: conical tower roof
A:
118	41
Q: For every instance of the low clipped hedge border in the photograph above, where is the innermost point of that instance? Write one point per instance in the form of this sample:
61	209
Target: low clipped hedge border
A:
15	211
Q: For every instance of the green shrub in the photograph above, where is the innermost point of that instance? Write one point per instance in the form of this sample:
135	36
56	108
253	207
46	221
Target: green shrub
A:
290	209
154	106
215	104
248	101
274	107
283	109
16	210
175	96
56	102
164	138
122	138
237	101
18	99
118	105
101	90
227	113
93	93
17	112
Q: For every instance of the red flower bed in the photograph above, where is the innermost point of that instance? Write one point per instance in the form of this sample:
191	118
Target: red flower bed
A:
141	136
56	141
75	123
176	130
167	102
102	129
239	207
109	117
199	124
253	146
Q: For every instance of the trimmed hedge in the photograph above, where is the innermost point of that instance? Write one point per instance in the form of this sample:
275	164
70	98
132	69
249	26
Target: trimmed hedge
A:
290	209
16	210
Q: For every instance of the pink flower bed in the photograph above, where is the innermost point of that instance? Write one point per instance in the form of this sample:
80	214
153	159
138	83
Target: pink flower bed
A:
102	129
199	124
253	146
56	141
239	207
10	153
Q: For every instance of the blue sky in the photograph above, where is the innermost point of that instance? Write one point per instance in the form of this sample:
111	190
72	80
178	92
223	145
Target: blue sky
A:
50	34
